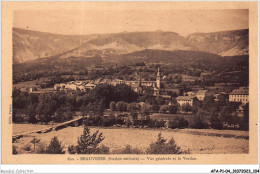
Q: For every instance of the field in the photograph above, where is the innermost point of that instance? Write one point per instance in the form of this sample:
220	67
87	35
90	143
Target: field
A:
197	141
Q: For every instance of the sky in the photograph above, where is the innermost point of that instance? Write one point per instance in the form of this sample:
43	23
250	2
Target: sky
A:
84	22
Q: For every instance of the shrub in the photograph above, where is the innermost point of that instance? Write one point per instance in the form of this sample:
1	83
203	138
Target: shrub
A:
41	148
14	151
128	123
172	109
216	123
186	107
127	150
112	106
55	147
163	109
163	147
130	150
155	123
88	144
102	149
121	106
178	122
93	121
108	121
72	149
27	147
198	123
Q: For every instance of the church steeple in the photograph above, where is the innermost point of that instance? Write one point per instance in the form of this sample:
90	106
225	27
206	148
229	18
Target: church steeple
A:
158	79
158	73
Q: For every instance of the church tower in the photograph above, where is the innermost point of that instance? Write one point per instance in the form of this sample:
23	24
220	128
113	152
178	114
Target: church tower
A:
158	79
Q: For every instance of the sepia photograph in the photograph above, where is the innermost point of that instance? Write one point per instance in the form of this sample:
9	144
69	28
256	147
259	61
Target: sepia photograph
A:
138	81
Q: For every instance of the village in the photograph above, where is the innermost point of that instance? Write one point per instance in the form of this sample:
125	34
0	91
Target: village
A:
185	97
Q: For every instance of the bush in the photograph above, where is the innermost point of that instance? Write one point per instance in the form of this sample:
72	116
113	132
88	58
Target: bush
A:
186	107
112	106
163	147
171	109
128	150
216	122
27	147
108	121
40	148
163	109
128	123
102	149
178	122
155	123
88	144
55	147
14	151
198	123
121	106
93	121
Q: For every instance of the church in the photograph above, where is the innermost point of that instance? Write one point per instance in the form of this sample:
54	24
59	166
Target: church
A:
138	86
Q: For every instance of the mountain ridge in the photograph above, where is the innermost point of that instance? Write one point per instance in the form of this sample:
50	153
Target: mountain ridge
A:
30	45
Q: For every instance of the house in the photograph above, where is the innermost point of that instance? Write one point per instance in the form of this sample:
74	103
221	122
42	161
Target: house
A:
201	94
190	93
240	111
57	87
81	88
90	86
239	95
31	89
185	100
71	86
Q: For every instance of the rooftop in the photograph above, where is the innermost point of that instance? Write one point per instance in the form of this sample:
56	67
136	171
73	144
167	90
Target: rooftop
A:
184	98
240	91
202	92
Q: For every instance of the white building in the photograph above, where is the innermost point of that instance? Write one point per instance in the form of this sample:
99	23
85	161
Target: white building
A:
185	100
201	94
239	95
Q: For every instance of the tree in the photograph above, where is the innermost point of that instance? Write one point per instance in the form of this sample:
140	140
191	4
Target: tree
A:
112	106
55	147
46	108
173	108
161	146
14	151
87	143
63	114
198	121
163	109
186	107
121	106
145	110
30	112
246	113
178	122
130	150
208	102
134	114
97	108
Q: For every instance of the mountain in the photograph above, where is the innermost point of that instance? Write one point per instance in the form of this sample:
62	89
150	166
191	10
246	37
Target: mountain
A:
225	43
123	43
31	45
